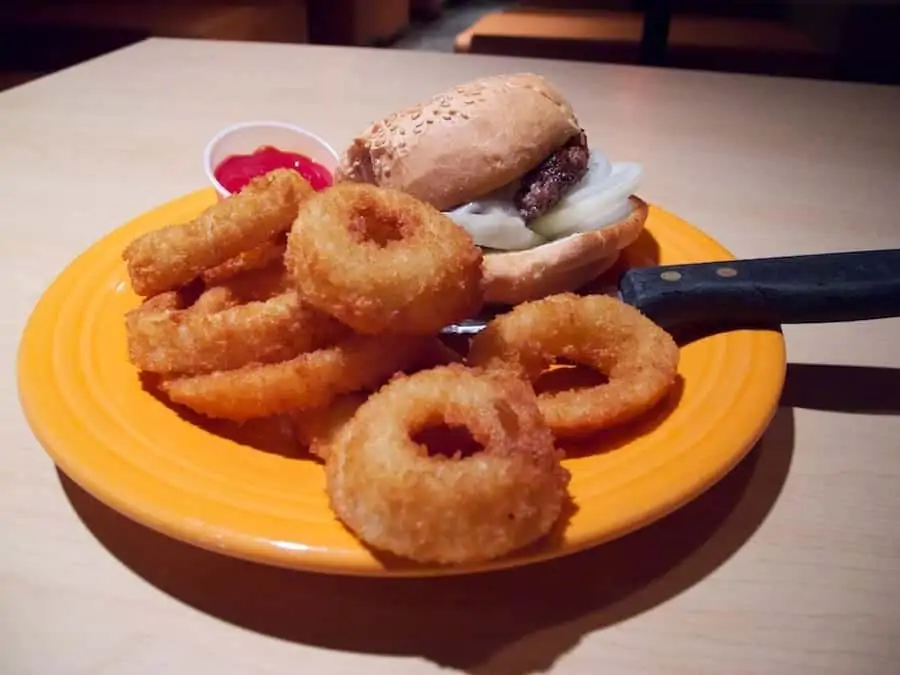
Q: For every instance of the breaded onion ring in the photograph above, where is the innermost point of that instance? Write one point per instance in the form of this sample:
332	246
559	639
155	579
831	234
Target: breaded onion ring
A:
163	302
309	380
396	497
170	257
638	357
316	428
260	284
256	258
213	299
171	341
187	299
434	353
381	261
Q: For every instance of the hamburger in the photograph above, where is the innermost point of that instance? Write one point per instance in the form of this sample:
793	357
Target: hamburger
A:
505	157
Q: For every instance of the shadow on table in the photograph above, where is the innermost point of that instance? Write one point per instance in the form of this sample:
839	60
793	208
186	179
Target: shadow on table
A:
868	390
512	622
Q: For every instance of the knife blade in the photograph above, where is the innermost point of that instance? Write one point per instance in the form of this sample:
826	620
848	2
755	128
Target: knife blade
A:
818	288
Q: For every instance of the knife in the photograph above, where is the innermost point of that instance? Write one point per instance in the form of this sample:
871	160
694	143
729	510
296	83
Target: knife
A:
821	288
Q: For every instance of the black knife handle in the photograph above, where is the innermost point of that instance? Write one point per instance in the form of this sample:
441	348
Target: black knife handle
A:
823	288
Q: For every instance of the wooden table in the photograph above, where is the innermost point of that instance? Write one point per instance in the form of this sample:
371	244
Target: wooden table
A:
787	566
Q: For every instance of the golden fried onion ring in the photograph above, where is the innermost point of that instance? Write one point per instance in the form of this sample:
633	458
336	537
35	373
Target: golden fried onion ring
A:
317	428
165	259
638	357
309	380
211	300
396	497
216	337
256	258
382	261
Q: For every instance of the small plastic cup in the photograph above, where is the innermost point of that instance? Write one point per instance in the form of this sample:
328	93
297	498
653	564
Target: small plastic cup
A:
246	137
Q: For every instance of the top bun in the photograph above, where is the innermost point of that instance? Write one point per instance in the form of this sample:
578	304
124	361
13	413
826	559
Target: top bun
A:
464	143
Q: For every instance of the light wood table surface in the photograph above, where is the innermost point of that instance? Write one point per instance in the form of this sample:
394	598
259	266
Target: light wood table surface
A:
790	565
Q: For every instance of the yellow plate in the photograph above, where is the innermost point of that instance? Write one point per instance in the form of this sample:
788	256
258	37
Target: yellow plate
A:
242	493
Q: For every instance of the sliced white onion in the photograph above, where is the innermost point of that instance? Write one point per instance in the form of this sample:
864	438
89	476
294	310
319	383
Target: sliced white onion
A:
598	204
598	200
599	170
496	225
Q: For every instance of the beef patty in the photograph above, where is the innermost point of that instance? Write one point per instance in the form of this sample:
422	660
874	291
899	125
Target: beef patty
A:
546	184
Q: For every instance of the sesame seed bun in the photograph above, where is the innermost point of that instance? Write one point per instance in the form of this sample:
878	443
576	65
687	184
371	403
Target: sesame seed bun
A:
476	138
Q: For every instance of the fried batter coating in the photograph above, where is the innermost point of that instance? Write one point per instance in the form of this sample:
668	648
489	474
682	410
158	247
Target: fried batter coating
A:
170	257
259	284
639	358
381	261
435	353
309	380
211	300
256	258
317	428
396	497
192	341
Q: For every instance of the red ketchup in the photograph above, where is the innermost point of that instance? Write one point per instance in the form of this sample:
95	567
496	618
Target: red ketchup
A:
235	171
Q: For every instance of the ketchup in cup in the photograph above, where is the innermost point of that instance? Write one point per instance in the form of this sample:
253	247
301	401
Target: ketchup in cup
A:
235	171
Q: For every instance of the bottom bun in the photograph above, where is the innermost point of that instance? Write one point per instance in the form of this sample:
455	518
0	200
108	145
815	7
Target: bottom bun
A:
563	265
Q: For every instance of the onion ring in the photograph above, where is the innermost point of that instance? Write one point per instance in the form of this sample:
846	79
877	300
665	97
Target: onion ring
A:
639	358
191	341
434	353
310	380
170	257
317	428
381	261
256	258
394	496
214	299
260	284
